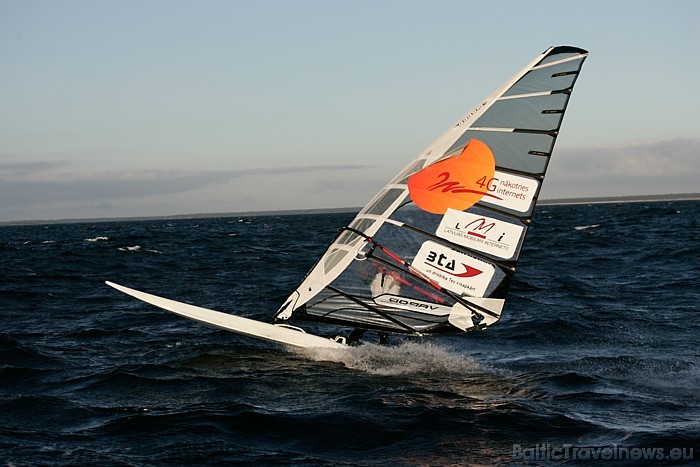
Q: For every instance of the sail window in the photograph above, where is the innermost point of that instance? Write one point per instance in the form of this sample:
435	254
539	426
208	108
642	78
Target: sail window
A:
362	224
415	167
516	151
554	77
332	259
385	201
525	113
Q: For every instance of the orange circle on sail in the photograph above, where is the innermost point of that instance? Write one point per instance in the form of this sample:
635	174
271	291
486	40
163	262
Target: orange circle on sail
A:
458	182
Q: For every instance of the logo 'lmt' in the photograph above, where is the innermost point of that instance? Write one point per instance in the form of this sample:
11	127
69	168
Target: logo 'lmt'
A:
486	234
478	228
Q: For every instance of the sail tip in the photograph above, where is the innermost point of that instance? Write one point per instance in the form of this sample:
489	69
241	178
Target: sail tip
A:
565	49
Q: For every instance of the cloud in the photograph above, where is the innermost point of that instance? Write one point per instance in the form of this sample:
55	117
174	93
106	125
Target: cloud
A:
365	186
668	166
23	169
24	184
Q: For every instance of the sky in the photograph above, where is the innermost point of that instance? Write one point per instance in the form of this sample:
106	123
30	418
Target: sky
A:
162	107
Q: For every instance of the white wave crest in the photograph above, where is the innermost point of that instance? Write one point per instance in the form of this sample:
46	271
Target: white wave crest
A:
130	248
137	248
96	239
403	359
586	227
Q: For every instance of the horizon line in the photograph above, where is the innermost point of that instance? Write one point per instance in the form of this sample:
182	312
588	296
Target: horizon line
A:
291	212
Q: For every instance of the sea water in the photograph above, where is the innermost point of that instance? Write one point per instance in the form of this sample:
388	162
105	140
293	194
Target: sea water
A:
596	358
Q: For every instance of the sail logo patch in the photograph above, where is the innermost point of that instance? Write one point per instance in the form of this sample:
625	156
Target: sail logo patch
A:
511	191
454	182
482	233
453	270
449	265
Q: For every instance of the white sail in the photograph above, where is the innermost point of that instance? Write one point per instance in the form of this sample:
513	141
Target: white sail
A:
435	250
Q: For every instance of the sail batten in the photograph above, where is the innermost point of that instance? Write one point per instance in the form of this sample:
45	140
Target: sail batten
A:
527	95
436	249
496	129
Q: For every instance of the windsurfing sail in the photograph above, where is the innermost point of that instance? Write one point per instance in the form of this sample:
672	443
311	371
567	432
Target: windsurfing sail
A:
436	249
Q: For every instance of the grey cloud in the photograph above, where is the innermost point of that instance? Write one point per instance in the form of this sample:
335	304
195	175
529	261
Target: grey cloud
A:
29	183
669	166
366	185
20	169
101	206
636	158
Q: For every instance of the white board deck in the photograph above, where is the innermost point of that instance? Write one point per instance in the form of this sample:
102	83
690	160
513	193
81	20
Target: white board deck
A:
240	325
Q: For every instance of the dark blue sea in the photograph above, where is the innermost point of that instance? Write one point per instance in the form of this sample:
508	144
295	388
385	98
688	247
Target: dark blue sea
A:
596	359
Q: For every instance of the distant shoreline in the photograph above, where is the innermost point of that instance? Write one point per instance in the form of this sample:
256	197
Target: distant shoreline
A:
622	199
296	212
